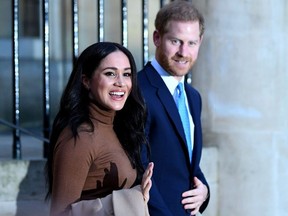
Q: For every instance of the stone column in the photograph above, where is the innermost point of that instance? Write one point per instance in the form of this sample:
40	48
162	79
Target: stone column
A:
242	74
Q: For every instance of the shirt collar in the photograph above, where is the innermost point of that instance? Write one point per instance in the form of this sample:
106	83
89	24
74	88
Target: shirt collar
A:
169	80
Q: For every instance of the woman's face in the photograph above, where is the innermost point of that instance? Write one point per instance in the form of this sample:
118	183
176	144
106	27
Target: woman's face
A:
111	83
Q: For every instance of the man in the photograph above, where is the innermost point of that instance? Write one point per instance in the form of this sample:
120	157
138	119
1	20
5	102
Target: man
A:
179	186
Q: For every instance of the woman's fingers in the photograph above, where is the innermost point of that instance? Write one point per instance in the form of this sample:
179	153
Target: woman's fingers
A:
146	181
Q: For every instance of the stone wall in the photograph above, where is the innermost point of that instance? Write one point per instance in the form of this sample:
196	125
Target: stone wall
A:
242	74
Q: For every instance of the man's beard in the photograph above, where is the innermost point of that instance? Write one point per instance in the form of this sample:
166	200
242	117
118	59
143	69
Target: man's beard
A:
170	68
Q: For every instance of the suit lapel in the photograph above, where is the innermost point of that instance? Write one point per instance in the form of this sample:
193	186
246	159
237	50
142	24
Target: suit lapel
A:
190	102
166	99
193	110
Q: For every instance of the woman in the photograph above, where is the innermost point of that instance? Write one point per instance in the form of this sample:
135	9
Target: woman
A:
98	132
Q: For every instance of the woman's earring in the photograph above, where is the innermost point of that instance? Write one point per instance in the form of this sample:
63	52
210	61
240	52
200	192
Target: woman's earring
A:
86	87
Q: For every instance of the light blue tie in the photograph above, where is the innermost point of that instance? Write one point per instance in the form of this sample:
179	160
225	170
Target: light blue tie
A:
182	108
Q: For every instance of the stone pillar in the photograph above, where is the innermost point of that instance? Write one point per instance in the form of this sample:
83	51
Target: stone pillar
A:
242	74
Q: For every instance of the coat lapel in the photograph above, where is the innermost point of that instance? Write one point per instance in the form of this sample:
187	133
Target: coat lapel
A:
197	124
166	99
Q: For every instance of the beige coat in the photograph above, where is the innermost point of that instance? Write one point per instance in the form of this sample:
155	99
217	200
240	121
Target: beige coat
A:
125	202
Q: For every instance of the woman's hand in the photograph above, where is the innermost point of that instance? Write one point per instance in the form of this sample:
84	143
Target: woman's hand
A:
146	181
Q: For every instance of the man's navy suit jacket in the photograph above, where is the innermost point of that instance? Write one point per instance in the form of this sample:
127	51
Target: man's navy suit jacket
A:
173	173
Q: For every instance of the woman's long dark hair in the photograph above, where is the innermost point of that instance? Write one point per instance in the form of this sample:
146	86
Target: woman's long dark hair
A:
129	122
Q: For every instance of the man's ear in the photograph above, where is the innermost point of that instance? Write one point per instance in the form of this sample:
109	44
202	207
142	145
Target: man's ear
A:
156	38
86	82
201	39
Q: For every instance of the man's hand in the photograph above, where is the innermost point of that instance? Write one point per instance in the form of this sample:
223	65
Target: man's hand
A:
193	199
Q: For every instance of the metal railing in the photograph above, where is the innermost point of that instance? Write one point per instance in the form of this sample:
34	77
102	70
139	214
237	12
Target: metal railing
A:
15	125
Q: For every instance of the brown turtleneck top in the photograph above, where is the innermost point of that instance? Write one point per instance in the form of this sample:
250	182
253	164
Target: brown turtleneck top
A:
92	166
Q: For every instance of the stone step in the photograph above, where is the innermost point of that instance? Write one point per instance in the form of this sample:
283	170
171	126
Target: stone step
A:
22	188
